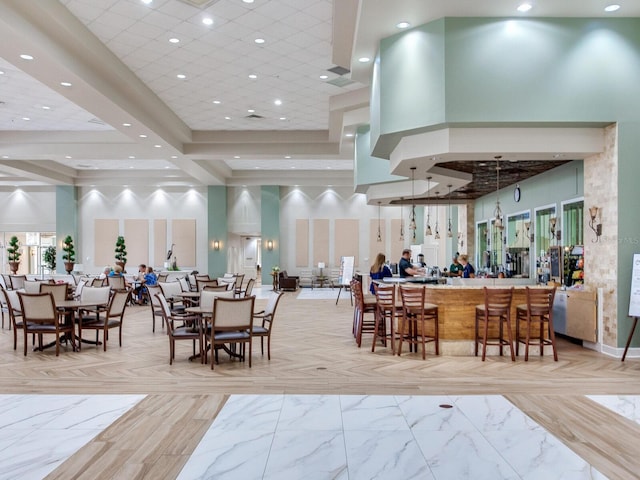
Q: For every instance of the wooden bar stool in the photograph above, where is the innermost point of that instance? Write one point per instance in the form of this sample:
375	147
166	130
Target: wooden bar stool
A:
497	306
361	307
415	317
388	309
539	308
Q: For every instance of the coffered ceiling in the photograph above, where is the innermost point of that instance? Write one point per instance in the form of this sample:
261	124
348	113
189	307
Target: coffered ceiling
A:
144	93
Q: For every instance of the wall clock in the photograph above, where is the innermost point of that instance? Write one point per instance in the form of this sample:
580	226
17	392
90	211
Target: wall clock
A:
516	193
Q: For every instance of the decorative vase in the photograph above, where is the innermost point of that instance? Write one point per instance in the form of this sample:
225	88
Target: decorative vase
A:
68	266
121	264
13	266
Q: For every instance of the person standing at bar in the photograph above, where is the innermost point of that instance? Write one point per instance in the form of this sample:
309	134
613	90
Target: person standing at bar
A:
405	269
468	270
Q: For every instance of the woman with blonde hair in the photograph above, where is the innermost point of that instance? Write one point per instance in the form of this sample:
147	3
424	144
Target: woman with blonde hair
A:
379	270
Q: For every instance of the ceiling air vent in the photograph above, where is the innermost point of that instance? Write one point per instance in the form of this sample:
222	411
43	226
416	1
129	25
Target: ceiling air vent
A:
199	3
338	70
340	81
253	115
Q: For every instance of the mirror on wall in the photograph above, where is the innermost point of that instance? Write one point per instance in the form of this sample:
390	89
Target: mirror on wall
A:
518	248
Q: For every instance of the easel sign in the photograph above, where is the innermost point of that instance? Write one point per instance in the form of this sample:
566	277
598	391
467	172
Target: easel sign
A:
346	273
634	299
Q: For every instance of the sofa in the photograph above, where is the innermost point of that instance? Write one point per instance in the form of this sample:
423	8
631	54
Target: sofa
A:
287	282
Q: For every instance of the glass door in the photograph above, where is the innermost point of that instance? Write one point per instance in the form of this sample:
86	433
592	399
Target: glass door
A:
517	255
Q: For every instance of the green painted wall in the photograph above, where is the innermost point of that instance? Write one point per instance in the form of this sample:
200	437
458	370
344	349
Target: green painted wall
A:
66	222
217	230
368	170
270	228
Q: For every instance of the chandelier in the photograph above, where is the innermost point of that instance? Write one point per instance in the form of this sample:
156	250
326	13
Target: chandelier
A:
412	216
437	235
449	229
428	231
401	221
497	213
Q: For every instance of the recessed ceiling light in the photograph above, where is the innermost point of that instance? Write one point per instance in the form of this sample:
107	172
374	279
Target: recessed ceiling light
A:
24	56
328	168
287	156
403	25
132	157
283	118
524	7
277	101
207	21
1	72
259	41
253	75
26	119
348	135
217	102
146	2
130	166
364	59
612	8
126	124
166	167
174	40
45	107
251	110
158	146
247	1
293	168
236	156
173	156
181	76
257	168
65	84
142	135
5	156
68	156
227	118
324	77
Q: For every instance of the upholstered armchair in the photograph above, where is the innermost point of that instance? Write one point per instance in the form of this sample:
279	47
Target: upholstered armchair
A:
287	282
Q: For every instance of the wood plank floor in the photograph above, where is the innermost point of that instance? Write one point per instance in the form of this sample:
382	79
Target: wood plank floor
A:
313	351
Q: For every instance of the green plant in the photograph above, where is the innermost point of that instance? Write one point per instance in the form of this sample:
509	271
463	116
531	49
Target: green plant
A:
68	249
13	250
49	257
121	250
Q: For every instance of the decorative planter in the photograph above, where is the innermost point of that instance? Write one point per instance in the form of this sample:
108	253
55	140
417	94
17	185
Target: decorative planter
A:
13	266
121	264
68	266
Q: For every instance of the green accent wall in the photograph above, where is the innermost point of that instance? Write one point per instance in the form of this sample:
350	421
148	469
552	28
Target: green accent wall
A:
368	170
270	229
217	230
66	223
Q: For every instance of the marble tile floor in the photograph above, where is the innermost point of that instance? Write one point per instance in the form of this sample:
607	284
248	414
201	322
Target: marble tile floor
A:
317	437
39	432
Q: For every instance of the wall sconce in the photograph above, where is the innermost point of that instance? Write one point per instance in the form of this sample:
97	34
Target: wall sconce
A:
270	245
216	245
552	226
596	222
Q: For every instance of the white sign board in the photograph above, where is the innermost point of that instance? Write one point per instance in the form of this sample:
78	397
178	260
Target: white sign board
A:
634	297
346	270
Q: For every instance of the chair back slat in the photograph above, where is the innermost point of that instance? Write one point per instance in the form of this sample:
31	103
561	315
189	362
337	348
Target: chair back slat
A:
540	298
386	296
412	297
497	298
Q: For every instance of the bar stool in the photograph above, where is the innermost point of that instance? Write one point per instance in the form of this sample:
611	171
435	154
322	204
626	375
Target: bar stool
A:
361	307
415	315
387	309
539	308
497	305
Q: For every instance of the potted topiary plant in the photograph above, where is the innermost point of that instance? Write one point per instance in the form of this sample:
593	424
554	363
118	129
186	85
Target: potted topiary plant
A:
69	255
121	252
49	257
13	254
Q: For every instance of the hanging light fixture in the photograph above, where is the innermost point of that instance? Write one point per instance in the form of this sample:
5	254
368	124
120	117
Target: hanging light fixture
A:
379	239
497	213
412	216
449	229
437	235
401	221
427	230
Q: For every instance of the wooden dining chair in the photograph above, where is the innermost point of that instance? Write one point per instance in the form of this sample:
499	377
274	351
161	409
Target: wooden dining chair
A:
190	330
248	290
112	318
266	316
231	323
98	282
117	283
14	311
58	290
416	317
536	314
388	309
40	317
200	284
17	281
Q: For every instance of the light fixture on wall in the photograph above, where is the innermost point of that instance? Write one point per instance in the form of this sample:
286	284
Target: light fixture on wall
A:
379	239
552	226
596	222
497	213
320	267
270	245
449	227
427	230
437	235
216	245
412	217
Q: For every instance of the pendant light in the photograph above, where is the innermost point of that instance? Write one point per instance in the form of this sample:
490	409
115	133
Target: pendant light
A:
412	216
437	235
379	239
428	231
497	213
449	229
401	221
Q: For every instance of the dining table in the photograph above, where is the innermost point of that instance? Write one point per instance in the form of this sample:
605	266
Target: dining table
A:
74	306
